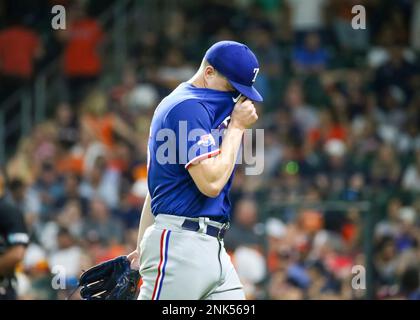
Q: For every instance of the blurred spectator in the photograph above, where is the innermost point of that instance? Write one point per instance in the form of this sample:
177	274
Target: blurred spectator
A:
67	126
390	225
102	125
409	139
271	60
347	36
102	182
72	194
306	17
82	62
251	268
174	70
386	262
35	280
49	188
410	283
71	217
16	194
276	249
336	163
329	128
411	176
244	231
304	115
20	164
282	289
395	75
386	169
20	47
44	148
133	97
415	26
68	255
272	153
128	212
311	57
175	26
101	226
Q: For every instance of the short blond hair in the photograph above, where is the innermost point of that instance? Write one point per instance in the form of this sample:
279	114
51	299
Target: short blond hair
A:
205	63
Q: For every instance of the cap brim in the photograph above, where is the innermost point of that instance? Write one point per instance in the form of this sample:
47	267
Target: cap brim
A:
249	92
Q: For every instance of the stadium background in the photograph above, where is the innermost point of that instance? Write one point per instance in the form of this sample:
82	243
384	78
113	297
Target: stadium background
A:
342	144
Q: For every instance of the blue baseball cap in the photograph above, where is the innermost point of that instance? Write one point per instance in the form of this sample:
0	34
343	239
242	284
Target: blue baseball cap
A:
238	64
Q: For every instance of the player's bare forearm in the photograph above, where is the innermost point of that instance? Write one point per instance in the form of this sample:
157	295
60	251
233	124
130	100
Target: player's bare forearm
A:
146	220
211	175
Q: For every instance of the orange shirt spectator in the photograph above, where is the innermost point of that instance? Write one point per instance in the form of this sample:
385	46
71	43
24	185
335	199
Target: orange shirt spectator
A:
81	57
102	127
70	163
335	132
19	47
329	128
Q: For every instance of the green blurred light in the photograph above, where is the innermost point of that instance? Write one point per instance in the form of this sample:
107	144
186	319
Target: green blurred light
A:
292	167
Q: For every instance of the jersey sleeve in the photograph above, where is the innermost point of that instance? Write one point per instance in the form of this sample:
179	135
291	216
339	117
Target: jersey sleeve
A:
195	138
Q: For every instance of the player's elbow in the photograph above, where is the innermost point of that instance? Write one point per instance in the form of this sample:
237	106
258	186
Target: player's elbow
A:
211	190
208	182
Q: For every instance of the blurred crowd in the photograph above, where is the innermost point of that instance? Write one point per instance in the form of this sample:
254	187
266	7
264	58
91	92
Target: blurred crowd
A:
341	116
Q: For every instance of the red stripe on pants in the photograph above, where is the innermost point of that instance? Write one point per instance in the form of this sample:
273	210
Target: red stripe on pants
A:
160	264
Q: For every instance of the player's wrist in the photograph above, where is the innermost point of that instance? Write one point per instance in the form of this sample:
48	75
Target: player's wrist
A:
237	125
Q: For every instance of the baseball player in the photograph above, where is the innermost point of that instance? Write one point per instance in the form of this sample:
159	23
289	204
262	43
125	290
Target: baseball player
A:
195	136
13	241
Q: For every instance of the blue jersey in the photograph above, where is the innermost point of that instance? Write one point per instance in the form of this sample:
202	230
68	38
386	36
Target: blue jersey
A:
187	127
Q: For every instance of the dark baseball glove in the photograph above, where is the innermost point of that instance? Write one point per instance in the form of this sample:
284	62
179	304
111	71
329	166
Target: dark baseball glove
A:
110	280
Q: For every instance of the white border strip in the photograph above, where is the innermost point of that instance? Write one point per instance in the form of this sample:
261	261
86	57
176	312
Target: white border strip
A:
202	157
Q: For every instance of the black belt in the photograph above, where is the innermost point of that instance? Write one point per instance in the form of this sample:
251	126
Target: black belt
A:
213	231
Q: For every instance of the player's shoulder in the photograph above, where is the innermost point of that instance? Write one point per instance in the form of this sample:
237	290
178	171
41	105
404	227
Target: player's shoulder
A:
187	110
182	104
189	106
